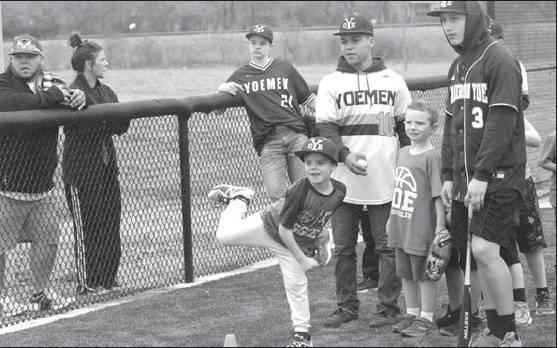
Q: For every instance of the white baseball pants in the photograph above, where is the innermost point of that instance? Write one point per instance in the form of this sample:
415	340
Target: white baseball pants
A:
234	230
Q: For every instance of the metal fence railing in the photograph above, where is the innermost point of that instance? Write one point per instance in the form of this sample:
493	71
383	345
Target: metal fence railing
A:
167	165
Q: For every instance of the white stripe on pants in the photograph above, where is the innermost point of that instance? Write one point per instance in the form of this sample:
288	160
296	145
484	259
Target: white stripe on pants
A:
233	230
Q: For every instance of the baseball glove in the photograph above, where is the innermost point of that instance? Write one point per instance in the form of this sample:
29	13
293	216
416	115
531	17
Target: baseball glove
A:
438	256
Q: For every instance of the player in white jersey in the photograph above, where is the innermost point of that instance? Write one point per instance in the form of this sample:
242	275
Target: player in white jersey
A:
361	107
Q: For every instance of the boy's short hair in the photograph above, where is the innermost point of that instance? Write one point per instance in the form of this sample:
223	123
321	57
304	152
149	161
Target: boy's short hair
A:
425	106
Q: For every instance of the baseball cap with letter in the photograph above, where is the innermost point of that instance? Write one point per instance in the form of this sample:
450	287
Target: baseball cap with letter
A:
260	30
319	145
26	44
355	24
449	6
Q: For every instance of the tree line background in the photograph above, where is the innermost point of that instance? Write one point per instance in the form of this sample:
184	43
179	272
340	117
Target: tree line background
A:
52	18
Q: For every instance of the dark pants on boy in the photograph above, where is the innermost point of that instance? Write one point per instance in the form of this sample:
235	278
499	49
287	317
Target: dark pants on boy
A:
370	259
345	234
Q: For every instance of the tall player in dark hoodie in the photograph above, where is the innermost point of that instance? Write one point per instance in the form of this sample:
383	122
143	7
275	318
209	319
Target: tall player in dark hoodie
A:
361	107
484	157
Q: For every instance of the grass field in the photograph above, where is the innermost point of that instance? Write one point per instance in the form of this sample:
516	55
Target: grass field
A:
253	307
220	151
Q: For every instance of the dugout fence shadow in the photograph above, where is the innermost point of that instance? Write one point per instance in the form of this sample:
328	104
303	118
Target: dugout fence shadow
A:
174	151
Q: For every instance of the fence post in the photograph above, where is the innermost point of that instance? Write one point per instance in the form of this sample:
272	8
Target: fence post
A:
184	153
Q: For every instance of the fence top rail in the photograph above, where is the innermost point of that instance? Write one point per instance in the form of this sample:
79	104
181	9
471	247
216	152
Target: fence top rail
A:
56	117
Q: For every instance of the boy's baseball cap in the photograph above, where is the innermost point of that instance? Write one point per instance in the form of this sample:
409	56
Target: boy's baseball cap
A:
260	30
355	24
319	145
449	6
26	44
496	30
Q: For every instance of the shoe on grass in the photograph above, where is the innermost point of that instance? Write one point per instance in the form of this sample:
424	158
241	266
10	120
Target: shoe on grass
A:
544	304
300	341
404	322
340	316
522	313
451	317
383	318
511	339
485	339
419	327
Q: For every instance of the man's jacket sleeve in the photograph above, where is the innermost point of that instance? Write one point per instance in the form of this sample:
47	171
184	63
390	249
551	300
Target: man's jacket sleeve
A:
14	99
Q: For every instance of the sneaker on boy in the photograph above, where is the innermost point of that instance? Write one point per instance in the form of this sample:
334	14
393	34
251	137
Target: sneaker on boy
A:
340	316
485	339
544	304
419	327
452	329
404	322
522	313
383	318
223	194
511	339
300	341
451	317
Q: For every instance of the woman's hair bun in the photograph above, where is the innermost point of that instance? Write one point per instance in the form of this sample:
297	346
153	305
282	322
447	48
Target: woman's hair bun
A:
75	40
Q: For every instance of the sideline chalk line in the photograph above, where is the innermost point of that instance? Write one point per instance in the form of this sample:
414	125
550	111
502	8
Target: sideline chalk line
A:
140	296
543	203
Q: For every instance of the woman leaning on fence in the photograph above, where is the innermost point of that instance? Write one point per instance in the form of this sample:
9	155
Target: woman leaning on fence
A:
90	174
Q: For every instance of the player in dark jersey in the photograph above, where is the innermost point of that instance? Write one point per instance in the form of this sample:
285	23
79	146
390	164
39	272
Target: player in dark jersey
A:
273	91
484	156
292	227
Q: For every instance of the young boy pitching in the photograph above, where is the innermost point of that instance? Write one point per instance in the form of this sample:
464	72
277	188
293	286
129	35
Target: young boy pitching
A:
417	213
292	227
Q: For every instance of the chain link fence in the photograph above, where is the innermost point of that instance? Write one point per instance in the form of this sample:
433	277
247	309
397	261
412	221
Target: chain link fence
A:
152	225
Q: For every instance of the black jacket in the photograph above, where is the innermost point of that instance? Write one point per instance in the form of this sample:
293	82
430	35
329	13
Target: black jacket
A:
89	153
484	135
28	158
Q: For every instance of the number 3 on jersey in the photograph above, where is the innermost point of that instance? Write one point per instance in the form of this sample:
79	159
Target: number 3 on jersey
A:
478	121
286	100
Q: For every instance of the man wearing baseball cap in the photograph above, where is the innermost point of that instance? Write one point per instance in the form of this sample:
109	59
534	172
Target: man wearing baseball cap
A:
273	92
367	129
28	159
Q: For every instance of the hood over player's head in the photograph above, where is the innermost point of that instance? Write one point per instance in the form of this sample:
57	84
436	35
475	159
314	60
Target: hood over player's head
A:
260	38
464	23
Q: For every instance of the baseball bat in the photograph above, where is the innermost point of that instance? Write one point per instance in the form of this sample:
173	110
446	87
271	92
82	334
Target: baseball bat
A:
464	335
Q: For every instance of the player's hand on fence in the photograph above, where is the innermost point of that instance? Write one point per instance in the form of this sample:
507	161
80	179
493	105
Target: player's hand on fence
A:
230	87
219	112
447	193
307	263
356	163
77	99
475	194
66	92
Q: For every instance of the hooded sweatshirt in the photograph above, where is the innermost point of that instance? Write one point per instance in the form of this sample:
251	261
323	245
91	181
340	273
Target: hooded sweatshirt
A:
364	112
484	102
